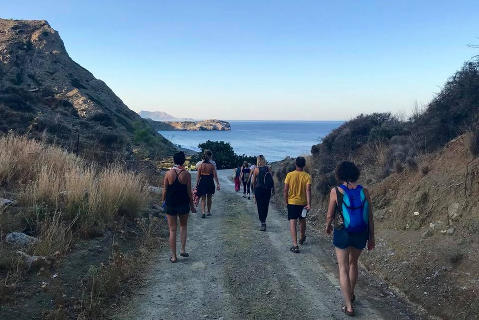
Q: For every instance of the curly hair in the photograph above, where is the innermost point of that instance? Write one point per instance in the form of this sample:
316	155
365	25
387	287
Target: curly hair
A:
347	171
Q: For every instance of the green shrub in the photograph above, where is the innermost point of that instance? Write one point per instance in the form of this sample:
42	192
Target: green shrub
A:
452	112
223	155
103	119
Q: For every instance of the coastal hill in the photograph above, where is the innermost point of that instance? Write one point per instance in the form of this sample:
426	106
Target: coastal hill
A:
46	95
161	116
423	175
202	125
163	121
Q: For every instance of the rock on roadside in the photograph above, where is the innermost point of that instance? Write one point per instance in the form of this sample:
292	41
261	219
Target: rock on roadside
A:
5	202
20	239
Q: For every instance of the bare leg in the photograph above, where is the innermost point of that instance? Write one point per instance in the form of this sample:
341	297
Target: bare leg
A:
292	229
183	231
203	204
302	228
353	267
343	263
210	200
172	226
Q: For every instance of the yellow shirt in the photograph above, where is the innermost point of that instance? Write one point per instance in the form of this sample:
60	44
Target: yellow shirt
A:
297	182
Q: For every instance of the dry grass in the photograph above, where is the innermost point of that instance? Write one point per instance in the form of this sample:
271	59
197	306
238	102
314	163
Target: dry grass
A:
63	195
56	236
103	282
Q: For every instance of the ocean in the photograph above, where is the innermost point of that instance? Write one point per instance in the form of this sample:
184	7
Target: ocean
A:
274	139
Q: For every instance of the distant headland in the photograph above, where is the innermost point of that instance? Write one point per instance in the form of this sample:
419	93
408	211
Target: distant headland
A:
163	121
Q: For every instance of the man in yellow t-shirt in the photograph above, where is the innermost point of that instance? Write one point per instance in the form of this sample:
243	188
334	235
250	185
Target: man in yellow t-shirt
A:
297	194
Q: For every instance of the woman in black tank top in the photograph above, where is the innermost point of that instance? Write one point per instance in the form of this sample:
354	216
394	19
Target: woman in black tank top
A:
205	183
178	200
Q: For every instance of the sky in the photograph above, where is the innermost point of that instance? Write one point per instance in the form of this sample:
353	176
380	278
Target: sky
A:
265	60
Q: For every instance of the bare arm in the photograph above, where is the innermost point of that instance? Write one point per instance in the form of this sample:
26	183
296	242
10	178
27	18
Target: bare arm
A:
165	187
253	178
215	175
271	172
331	207
308	196
372	239
198	176
190	195
285	193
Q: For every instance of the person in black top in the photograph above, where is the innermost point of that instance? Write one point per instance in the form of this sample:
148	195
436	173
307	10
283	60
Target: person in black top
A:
179	201
205	186
245	179
263	186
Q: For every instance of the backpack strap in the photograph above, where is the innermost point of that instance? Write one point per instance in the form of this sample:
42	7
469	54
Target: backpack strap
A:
339	200
348	192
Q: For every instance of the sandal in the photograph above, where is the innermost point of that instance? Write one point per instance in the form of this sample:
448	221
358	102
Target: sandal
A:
302	240
173	261
353	298
294	249
348	313
184	254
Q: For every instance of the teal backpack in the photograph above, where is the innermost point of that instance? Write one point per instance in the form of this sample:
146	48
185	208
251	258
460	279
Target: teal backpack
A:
354	207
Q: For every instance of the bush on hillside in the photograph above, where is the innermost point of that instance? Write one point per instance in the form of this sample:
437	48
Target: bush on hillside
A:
452	112
150	141
342	142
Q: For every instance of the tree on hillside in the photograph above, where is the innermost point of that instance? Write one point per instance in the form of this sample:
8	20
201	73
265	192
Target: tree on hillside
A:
223	154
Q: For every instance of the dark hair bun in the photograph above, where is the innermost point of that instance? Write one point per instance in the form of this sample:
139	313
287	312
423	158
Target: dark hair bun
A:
179	158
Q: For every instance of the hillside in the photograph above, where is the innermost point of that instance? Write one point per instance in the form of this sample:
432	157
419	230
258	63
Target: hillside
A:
46	95
423	175
203	125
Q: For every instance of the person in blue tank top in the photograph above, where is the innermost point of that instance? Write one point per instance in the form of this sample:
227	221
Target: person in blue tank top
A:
350	219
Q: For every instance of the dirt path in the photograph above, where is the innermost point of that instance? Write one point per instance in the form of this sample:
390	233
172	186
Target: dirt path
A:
236	271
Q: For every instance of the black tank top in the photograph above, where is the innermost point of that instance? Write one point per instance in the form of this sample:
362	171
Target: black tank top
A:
177	193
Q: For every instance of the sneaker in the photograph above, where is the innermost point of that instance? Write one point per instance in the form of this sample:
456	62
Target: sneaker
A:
294	249
208	214
249	198
263	227
203	216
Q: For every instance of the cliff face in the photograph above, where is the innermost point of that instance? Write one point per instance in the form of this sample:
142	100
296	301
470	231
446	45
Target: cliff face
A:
204	125
44	93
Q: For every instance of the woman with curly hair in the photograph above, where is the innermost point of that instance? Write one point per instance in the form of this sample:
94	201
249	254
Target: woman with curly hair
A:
350	218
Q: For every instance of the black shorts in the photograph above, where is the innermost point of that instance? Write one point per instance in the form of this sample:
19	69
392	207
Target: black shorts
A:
294	211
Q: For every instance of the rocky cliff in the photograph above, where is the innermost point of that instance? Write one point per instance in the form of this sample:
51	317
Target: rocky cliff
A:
45	94
204	125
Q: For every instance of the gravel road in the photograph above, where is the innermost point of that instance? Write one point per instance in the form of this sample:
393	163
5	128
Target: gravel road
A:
236	271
